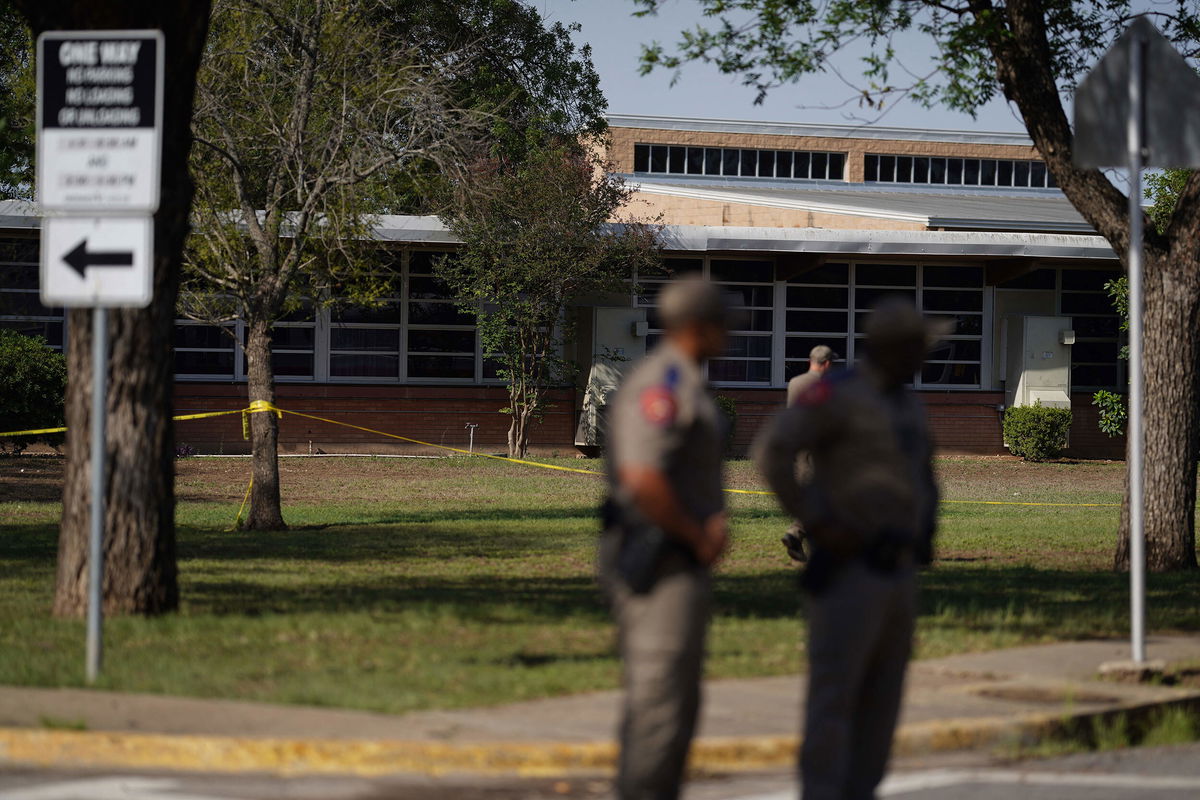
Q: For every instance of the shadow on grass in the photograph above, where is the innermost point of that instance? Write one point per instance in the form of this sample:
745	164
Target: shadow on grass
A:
457	577
1052	602
343	543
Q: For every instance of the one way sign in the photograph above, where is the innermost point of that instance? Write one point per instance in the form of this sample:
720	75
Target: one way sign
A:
97	261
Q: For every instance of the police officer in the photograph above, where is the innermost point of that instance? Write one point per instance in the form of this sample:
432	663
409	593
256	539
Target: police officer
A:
820	359
869	508
666	527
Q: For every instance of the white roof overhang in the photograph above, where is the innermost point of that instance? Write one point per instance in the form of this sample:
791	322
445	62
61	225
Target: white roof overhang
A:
429	230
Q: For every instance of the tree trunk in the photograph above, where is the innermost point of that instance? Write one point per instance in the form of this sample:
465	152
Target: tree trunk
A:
265	513
1171	413
139	523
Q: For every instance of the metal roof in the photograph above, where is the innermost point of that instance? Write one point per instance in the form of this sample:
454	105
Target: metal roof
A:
714	238
818	130
1044	211
19	214
717	238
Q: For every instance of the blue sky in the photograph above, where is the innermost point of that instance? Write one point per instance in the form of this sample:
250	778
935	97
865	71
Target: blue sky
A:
702	91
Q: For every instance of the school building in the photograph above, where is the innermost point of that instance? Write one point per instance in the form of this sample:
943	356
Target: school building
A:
806	225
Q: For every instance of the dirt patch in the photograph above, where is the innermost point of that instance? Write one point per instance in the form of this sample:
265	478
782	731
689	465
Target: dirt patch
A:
1006	478
31	478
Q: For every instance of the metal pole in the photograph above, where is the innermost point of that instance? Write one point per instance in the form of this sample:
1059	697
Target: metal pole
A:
1137	534
95	540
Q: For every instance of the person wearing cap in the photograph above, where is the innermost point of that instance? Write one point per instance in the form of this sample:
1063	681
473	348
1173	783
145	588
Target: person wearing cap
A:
869	508
665	527
820	359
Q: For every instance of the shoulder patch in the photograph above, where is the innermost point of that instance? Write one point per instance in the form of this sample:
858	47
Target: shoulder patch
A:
658	405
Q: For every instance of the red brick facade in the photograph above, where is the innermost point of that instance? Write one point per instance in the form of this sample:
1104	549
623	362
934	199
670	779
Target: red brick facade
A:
435	414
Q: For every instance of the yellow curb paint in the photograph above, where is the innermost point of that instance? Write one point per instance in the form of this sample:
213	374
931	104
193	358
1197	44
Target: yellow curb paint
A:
296	756
528	759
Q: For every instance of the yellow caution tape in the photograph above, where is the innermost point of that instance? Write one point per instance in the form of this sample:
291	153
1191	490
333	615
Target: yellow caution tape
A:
205	415
237	522
265	406
180	418
1014	503
32	433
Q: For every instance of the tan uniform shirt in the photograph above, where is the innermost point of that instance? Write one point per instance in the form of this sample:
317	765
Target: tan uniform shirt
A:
664	417
799	383
870	453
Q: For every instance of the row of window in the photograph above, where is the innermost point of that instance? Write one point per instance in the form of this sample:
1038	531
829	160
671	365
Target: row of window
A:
956	171
418	333
829	305
738	162
415	333
877	168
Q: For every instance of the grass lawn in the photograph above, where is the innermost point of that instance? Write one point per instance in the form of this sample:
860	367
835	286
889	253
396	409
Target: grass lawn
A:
408	584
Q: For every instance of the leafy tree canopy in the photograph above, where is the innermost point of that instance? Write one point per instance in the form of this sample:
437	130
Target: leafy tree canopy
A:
774	42
17	101
503	61
536	240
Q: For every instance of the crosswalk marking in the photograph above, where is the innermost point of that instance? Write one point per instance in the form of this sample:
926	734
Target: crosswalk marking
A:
111	788
908	783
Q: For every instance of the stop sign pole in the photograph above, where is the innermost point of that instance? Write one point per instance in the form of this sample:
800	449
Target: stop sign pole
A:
1136	444
1124	120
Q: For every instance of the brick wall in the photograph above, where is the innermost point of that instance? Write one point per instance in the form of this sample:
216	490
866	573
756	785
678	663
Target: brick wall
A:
435	414
962	422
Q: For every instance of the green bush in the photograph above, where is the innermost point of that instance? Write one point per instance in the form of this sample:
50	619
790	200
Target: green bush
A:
1113	412
1036	433
33	384
728	407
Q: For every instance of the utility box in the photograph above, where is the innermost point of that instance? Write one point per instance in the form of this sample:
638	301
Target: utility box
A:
1037	358
618	340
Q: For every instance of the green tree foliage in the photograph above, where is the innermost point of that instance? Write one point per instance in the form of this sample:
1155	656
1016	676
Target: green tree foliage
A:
17	95
33	385
1162	189
522	70
770	43
521	73
306	112
1036	433
536	241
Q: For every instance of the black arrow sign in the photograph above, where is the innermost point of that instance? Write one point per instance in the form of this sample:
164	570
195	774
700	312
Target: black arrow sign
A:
81	258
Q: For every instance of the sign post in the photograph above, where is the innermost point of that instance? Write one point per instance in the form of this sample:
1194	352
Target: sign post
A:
99	143
1119	122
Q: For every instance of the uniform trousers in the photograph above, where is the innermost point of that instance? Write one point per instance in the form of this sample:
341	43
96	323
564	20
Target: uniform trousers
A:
661	636
860	633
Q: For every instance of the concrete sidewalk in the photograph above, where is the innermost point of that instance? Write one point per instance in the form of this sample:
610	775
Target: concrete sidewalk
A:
956	703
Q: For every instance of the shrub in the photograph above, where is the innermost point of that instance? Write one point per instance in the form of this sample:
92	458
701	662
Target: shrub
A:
33	384
1113	412
728	408
1036	433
